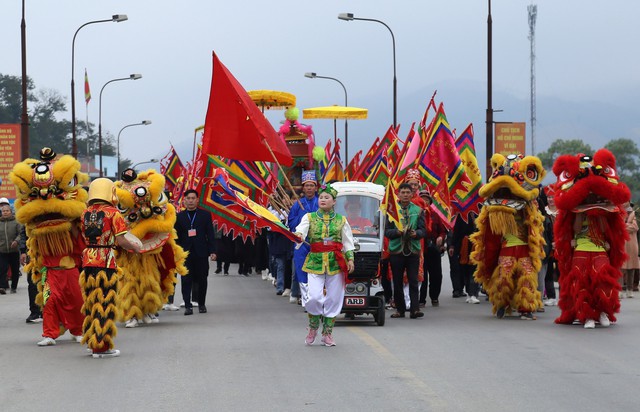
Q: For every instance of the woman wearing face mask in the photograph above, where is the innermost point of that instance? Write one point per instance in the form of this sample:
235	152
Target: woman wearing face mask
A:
328	263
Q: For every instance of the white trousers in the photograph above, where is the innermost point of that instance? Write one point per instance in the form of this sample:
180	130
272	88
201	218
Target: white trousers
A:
330	305
304	294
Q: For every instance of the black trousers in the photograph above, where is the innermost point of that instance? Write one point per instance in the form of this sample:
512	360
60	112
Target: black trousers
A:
457	280
384	280
469	283
400	264
33	292
432	268
9	260
198	272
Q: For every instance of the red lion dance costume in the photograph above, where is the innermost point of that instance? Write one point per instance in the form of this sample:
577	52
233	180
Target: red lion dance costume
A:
589	233
508	245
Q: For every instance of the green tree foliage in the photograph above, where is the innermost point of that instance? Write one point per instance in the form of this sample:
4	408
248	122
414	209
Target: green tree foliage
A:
560	147
45	128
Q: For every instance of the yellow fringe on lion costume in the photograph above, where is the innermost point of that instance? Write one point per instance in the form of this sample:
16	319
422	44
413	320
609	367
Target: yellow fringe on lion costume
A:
148	278
507	248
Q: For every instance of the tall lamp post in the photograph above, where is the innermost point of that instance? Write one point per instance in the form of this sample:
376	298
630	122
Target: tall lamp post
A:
24	117
142	123
350	17
489	120
134	76
74	145
145	162
312	75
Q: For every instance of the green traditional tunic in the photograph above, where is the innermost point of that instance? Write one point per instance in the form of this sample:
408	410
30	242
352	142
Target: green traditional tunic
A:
326	226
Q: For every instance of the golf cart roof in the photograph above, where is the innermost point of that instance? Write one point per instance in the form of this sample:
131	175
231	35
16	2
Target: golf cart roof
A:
359	188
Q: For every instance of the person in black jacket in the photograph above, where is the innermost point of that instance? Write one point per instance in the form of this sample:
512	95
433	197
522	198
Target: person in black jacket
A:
195	234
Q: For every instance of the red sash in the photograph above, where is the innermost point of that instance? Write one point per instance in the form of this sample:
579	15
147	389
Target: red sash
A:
336	248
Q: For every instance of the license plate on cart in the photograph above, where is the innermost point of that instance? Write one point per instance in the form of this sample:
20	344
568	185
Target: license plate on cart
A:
354	301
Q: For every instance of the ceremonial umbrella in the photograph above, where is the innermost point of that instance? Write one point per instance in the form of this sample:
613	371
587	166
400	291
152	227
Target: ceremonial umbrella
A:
336	112
272	99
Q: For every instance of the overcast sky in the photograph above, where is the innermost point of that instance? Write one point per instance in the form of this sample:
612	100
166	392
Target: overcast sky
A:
586	51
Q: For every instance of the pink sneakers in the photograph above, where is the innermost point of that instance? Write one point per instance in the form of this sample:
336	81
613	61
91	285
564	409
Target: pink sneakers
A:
311	336
328	340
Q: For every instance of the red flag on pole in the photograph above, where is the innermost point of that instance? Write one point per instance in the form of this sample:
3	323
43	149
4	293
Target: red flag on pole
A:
234	127
87	91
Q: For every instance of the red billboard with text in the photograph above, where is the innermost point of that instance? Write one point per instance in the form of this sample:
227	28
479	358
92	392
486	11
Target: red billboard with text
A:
510	138
9	155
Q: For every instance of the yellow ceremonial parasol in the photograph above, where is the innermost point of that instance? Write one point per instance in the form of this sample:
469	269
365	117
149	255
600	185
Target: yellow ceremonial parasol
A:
272	99
336	112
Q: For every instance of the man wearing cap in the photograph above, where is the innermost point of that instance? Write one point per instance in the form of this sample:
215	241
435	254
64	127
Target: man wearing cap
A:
308	203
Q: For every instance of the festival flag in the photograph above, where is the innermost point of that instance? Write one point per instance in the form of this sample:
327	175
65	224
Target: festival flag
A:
380	175
234	126
440	154
335	170
217	198
357	174
390	207
468	200
171	167
263	218
87	90
353	165
322	164
441	203
408	157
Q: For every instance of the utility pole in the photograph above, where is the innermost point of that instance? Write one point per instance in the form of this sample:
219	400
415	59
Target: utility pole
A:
533	13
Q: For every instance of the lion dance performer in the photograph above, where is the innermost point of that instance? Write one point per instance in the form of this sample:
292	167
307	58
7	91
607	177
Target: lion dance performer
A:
149	277
589	234
103	228
508	245
50	201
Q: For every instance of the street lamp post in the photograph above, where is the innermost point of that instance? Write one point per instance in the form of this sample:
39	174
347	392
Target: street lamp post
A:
350	17
134	76
24	117
313	75
145	162
489	119
142	123
74	146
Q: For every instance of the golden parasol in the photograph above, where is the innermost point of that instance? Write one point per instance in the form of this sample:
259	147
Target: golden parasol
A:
272	99
336	112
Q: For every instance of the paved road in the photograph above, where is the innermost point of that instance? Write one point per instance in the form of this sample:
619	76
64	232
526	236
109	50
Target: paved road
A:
247	354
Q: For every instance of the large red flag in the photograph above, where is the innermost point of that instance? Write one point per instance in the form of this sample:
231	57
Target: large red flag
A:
234	127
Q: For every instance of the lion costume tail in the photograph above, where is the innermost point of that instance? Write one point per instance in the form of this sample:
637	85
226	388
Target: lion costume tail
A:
99	289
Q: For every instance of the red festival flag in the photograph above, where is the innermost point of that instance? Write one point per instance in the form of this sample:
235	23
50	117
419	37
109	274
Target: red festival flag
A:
234	127
87	90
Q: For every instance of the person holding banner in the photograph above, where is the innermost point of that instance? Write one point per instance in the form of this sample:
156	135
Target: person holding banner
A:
328	263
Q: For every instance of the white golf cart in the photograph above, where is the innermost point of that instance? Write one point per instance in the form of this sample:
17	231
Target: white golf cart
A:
360	202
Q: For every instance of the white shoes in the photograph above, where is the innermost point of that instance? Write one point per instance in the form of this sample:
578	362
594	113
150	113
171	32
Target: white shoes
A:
76	338
265	275
192	304
551	302
131	323
629	294
293	299
111	353
604	320
287	292
150	318
590	324
47	341
170	306
473	299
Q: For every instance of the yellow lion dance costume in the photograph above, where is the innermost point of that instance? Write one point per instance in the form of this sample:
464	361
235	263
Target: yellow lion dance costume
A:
149	277
507	248
50	201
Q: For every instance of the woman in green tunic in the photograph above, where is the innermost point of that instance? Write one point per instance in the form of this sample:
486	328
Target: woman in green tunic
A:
328	263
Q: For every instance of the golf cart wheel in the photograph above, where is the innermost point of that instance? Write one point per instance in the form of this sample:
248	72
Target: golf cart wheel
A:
379	316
